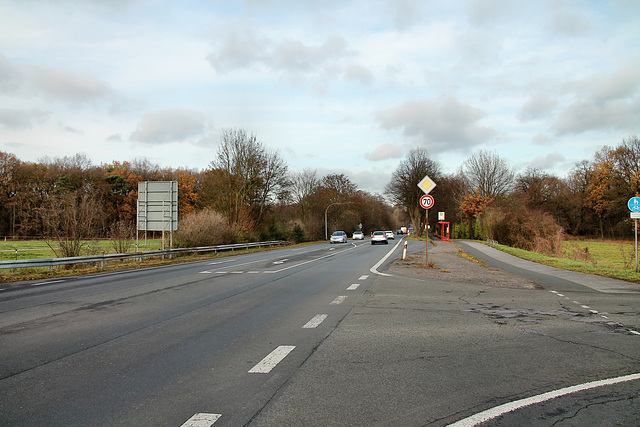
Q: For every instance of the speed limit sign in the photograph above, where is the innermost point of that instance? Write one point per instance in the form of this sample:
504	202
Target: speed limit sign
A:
426	201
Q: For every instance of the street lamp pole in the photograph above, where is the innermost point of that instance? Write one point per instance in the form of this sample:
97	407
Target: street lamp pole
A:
326	231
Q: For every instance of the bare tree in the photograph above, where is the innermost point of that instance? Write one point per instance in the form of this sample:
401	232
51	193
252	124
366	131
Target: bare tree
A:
303	186
488	174
71	218
248	177
403	189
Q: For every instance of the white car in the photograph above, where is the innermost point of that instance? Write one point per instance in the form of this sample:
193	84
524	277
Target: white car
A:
338	237
390	235
358	235
379	237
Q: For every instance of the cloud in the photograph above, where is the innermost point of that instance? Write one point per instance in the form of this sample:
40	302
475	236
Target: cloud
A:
384	152
602	102
68	87
539	106
171	125
440	124
587	115
548	161
290	58
22	119
569	22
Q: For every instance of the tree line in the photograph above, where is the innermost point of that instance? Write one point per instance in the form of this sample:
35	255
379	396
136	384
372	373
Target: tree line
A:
533	210
247	193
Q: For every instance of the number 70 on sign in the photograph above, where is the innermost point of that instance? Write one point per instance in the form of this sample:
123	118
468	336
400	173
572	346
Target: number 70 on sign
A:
426	201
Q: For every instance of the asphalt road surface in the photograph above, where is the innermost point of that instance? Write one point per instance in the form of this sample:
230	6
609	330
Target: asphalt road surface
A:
312	336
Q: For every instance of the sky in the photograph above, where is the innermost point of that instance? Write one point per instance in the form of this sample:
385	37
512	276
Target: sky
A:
348	86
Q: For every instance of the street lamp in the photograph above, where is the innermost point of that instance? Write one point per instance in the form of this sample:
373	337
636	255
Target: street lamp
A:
326	232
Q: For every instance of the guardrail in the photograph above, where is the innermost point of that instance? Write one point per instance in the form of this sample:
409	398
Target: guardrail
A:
51	262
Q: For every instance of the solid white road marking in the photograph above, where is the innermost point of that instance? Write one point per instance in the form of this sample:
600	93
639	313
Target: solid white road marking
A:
364	277
353	287
202	420
374	269
339	300
492	413
268	363
316	321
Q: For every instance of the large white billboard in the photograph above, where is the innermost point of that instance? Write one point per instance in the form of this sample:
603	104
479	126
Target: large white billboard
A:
158	206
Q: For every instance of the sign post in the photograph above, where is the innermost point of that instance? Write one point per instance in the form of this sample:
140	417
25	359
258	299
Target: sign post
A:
426	201
634	207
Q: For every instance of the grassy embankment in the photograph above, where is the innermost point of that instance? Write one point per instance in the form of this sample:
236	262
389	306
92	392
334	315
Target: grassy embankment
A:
615	259
608	258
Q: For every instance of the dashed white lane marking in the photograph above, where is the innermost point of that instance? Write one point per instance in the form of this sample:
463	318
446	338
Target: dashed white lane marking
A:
202	420
315	321
271	361
492	413
560	295
339	300
585	306
353	287
47	283
635	332
364	277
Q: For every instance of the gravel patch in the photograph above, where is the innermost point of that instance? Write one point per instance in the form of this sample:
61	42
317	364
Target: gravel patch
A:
446	264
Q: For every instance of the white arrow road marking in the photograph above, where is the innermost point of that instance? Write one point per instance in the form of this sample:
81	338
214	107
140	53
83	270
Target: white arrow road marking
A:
316	321
268	363
202	420
339	300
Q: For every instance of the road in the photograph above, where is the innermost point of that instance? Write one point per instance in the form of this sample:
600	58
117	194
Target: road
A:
304	336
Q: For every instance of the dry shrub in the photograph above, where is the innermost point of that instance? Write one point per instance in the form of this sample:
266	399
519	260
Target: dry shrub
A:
203	228
122	235
523	228
581	254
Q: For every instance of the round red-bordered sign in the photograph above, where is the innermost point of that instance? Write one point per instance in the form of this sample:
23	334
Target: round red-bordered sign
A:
426	201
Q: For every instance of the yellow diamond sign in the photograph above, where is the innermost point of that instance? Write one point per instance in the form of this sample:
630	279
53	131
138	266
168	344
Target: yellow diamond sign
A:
426	184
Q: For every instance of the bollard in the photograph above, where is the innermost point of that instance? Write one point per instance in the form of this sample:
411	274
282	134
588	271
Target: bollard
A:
404	251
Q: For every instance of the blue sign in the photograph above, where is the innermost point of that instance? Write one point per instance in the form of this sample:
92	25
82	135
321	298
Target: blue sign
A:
634	204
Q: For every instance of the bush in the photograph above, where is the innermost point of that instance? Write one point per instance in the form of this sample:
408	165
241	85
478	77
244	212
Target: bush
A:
203	228
523	228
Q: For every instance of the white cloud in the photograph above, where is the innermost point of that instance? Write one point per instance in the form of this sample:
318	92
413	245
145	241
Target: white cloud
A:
539	106
548	161
171	125
22	119
384	152
439	124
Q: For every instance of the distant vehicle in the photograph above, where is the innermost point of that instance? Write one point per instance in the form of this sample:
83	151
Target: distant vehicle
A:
338	237
358	235
390	235
379	237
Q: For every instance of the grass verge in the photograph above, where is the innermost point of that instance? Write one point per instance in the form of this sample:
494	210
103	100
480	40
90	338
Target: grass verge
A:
573	265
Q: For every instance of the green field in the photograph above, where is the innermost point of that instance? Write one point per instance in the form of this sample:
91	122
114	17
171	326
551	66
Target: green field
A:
11	250
615	259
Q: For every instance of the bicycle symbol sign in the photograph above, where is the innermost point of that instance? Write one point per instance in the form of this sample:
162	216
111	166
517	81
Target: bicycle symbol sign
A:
634	204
